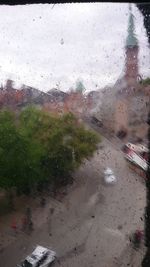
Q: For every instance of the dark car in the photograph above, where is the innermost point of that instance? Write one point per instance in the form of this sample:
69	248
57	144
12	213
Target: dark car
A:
121	134
96	121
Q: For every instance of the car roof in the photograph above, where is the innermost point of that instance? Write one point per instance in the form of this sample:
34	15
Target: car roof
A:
110	177
37	254
137	147
39	250
108	170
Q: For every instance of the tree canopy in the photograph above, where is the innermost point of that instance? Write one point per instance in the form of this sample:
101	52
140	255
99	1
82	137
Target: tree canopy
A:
36	147
146	81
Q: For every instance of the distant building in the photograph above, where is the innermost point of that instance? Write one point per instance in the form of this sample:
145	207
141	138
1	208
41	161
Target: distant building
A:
131	100
75	103
131	50
125	106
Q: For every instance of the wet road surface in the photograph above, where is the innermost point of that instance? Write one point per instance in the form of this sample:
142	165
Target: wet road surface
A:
91	226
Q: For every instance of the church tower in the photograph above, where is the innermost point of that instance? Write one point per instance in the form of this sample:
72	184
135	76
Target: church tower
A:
131	50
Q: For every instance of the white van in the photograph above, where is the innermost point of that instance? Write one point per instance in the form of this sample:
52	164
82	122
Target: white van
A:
40	257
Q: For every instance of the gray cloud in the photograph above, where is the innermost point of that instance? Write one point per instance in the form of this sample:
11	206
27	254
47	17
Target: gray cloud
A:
93	34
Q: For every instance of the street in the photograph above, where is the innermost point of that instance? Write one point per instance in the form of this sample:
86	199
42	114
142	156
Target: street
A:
92	225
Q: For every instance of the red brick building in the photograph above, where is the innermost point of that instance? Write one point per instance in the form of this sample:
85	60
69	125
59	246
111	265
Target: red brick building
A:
131	107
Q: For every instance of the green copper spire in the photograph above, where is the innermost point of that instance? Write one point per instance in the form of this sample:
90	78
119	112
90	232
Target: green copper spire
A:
131	40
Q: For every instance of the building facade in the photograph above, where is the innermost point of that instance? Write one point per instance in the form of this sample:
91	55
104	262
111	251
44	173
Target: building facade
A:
131	106
124	107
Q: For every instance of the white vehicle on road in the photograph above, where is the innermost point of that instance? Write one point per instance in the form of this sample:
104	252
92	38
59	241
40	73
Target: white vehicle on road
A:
40	257
136	155
109	176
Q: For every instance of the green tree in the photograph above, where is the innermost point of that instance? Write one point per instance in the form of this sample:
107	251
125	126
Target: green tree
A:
38	148
18	166
145	81
62	141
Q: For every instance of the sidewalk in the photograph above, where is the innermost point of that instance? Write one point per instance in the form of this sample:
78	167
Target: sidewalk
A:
130	256
39	217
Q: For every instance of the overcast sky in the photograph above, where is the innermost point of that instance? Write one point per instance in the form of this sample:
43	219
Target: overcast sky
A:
44	44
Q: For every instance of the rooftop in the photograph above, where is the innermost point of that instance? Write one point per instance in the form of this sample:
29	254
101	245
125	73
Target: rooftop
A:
131	40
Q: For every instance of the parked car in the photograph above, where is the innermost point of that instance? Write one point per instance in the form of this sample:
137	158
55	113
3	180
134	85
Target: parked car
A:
121	134
109	177
40	257
96	121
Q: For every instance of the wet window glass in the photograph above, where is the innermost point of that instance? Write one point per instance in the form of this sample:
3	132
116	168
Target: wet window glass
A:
74	122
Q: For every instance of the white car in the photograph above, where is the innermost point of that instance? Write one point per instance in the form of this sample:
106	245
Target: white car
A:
109	176
40	257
